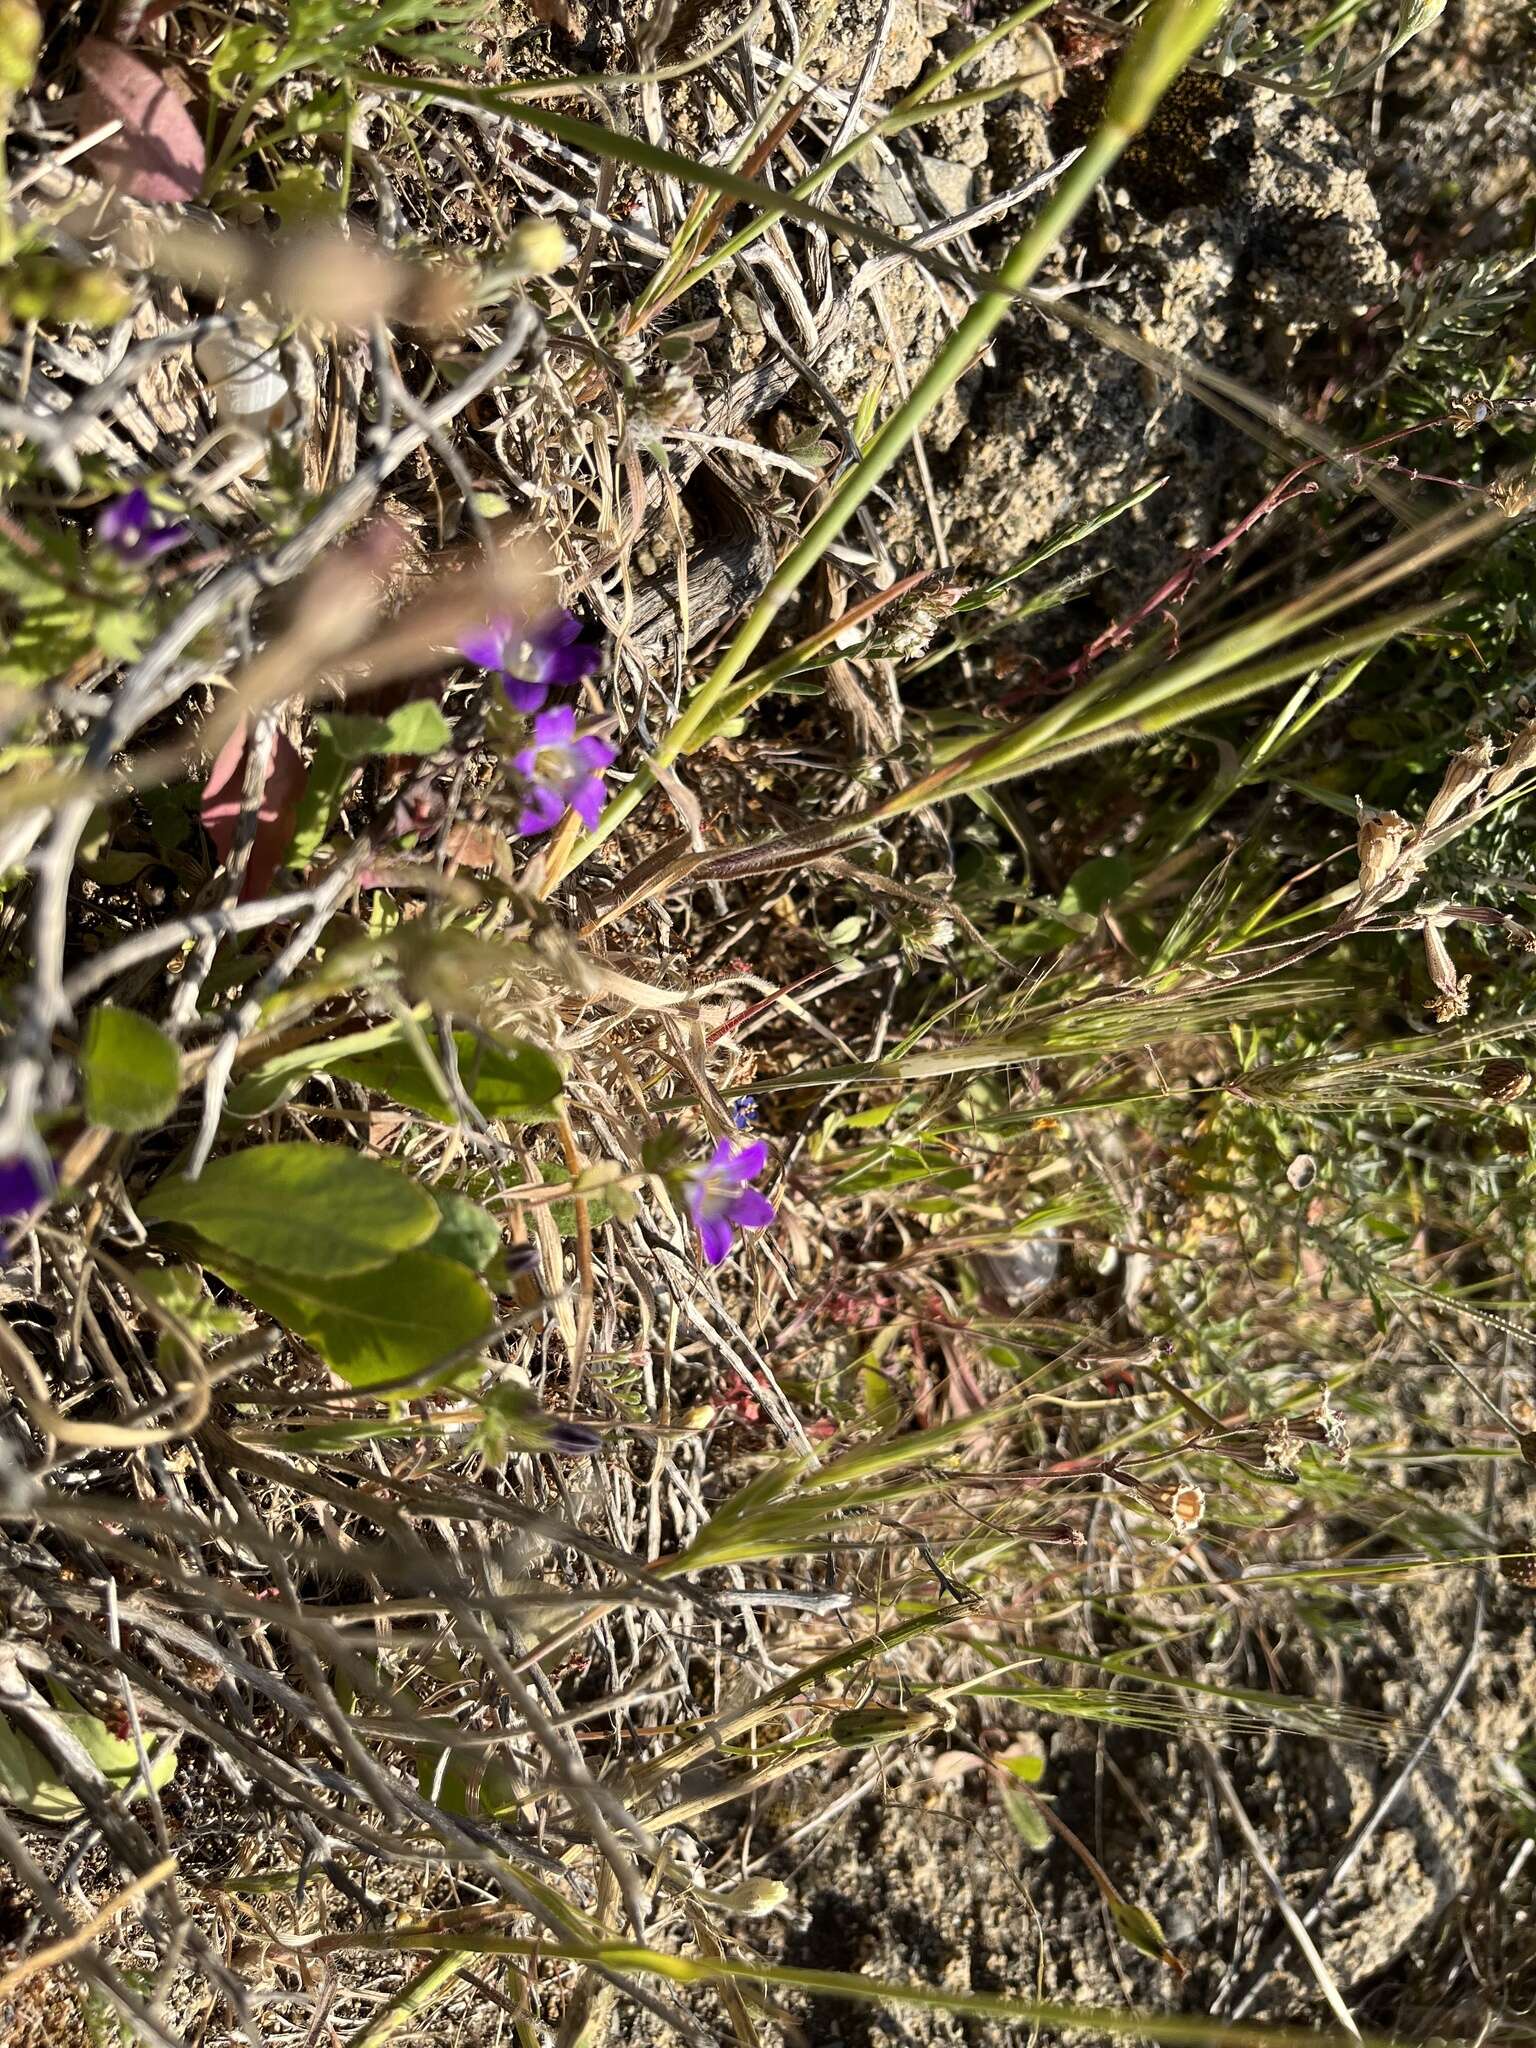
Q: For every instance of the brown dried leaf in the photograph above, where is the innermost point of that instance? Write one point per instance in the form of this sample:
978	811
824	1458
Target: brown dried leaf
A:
158	154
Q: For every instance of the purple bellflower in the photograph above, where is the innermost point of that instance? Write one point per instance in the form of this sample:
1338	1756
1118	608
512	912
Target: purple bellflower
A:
136	532
561	768
532	660
720	1201
24	1186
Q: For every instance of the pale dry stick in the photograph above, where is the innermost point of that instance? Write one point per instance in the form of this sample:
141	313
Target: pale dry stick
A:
590	1801
338	884
68	1946
85	1956
140	697
221	922
1322	1976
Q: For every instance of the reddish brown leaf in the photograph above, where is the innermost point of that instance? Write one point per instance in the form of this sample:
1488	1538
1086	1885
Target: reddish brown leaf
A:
158	154
284	780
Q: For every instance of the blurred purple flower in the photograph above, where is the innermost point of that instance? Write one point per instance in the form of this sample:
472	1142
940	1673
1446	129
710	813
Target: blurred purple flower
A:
135	532
720	1201
25	1184
532	660
560	769
573	1439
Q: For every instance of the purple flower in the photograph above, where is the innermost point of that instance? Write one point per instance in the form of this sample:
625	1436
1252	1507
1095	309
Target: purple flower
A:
532	659
744	1113
135	532
25	1184
720	1201
560	769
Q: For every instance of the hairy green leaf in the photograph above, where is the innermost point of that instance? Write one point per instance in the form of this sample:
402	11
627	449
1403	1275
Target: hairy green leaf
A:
320	1211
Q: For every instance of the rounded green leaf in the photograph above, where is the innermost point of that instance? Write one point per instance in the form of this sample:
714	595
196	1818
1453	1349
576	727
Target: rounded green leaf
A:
30	1784
319	1211
467	1233
398	1319
130	1071
510	1083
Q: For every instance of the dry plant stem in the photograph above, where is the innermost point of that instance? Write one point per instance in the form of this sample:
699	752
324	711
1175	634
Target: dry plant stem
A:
1322	1976
62	1950
1245	1996
1178	2030
144	694
1167	40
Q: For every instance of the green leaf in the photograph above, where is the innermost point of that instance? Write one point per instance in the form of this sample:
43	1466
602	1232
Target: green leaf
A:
330	773
468	1234
1025	1817
513	1083
131	1071
415	728
30	1783
1140	1928
397	1319
183	1293
895	1166
316	1210
1095	885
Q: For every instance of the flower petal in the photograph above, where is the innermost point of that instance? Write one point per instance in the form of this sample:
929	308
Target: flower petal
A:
555	629
586	799
715	1236
523	693
486	646
542	810
591	752
23	1185
151	546
723	1157
751	1160
569	664
556	728
751	1210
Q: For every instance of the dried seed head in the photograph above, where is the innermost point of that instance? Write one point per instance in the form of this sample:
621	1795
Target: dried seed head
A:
1466	774
1504	1080
1515	491
1448	1007
1186	1509
1450	998
666	401
1520	758
1335	1435
1281	1450
536	247
1381	841
906	631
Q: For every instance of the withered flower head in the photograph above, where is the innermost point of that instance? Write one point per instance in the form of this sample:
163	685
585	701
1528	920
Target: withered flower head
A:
1520	758
1186	1509
1465	775
1381	841
1450	998
1281	1450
